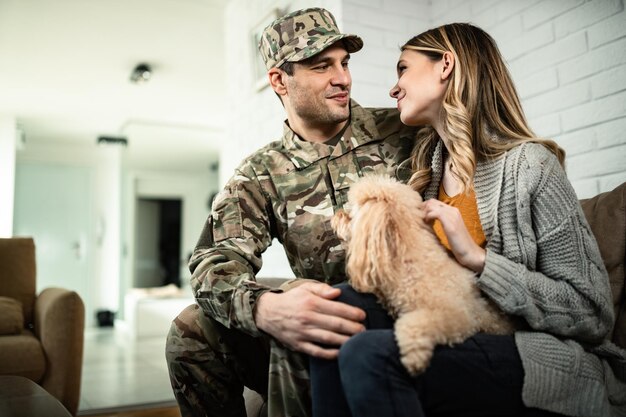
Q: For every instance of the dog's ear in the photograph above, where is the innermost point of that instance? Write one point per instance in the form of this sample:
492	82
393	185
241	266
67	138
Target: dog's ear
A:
341	225
374	253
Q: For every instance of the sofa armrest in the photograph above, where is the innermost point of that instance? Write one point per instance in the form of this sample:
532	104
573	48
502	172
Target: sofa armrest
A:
60	325
606	214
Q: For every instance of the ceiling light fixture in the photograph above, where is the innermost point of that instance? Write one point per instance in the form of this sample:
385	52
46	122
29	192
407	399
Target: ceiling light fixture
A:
112	140
141	74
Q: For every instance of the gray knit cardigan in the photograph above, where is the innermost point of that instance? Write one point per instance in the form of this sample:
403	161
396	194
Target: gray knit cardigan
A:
544	265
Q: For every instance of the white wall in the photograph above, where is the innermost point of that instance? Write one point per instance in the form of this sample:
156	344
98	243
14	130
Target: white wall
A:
191	187
7	174
384	26
112	211
103	241
255	117
568	59
107	217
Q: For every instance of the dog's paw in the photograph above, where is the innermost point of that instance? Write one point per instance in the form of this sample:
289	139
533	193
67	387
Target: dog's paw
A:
416	360
416	350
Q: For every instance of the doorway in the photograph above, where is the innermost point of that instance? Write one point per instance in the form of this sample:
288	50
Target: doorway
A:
157	242
52	204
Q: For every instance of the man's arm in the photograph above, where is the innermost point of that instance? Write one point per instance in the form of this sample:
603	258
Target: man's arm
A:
228	254
224	264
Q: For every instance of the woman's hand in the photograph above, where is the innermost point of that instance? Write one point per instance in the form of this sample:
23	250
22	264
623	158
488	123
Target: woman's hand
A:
465	250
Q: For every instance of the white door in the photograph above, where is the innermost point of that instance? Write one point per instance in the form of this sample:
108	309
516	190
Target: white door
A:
52	204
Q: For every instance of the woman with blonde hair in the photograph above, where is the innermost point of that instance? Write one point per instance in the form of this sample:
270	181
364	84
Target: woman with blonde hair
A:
500	201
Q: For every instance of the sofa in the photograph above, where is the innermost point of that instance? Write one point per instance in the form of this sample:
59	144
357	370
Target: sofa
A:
41	335
606	214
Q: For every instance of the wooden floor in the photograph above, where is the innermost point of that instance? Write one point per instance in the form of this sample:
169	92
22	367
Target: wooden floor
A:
154	412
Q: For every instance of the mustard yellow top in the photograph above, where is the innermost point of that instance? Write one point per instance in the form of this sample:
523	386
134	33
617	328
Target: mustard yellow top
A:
466	203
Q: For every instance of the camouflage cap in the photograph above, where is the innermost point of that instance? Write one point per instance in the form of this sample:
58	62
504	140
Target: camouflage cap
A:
302	34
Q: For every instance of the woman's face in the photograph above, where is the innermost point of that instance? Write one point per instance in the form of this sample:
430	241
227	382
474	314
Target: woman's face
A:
420	88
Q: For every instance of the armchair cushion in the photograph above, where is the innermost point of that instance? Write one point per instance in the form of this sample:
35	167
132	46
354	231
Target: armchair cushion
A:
12	316
22	355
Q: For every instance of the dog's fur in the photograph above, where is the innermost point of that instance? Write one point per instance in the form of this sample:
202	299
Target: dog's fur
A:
393	253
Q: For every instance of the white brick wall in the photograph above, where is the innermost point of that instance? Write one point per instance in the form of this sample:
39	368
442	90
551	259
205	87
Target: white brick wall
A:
255	117
606	30
567	58
588	13
537	83
384	27
546	10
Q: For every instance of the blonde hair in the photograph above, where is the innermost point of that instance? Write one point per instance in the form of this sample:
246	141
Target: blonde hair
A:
482	114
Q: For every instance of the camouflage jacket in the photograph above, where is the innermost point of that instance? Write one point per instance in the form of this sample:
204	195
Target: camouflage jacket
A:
289	190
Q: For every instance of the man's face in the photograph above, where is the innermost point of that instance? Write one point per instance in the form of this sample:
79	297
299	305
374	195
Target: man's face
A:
319	89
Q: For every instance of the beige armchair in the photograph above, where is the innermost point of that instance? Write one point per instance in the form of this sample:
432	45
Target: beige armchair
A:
41	336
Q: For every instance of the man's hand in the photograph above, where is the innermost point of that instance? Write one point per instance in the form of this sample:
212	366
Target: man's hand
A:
306	317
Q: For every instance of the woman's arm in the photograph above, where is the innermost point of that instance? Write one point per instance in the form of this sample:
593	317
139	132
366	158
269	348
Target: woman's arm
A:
559	284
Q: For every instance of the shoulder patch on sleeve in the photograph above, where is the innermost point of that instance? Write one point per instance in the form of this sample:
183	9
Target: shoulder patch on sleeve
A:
227	220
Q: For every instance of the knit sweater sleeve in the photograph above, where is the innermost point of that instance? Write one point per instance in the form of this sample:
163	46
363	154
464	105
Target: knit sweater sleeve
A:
551	274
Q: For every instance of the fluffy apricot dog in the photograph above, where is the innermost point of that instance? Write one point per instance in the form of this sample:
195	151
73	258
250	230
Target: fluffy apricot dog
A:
393	253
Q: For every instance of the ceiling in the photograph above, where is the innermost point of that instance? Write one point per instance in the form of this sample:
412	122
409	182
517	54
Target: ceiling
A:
65	70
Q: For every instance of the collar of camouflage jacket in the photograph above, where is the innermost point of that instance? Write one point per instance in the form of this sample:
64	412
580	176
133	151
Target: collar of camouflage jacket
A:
362	130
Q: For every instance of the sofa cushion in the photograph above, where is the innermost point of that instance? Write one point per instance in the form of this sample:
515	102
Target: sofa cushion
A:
22	355
17	275
606	214
12	317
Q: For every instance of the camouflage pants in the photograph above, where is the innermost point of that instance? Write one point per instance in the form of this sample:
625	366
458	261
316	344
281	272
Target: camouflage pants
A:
209	365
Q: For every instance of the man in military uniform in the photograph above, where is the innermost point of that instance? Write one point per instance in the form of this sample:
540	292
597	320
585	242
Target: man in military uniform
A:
242	332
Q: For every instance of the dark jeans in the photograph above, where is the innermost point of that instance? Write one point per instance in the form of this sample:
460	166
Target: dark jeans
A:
482	376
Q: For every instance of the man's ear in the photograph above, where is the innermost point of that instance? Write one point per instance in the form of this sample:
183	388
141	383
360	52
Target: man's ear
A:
277	78
448	65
